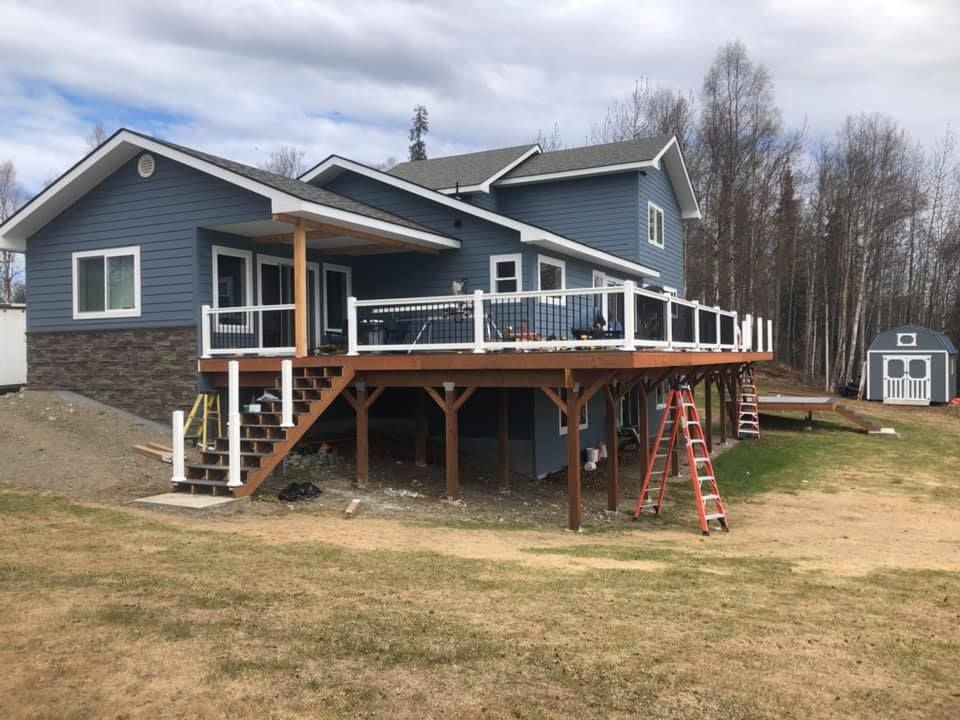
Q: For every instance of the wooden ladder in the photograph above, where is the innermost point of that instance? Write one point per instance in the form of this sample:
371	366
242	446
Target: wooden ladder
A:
264	442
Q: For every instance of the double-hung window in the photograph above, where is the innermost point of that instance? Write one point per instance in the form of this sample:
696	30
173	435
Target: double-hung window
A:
655	225
551	275
106	283
505	273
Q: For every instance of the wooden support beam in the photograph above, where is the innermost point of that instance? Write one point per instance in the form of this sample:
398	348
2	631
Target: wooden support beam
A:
644	430
464	396
363	438
374	396
708	411
613	449
324	231
300	300
573	459
503	442
348	396
420	438
555	398
721	394
452	442
436	397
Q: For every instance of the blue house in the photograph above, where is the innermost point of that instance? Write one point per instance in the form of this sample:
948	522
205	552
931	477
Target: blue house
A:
509	288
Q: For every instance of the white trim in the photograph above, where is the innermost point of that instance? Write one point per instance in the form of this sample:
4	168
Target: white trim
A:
125	145
517	259
582	172
651	207
104	314
562	392
547	260
901	337
484	186
348	271
315	267
247	255
908	386
528	233
663	390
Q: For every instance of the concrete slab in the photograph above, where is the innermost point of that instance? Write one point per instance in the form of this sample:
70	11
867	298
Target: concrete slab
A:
185	500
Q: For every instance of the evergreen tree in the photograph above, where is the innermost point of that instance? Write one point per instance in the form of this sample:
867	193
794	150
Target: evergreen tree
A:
420	127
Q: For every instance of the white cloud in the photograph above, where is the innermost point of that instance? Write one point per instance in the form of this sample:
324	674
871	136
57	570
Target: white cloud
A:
240	78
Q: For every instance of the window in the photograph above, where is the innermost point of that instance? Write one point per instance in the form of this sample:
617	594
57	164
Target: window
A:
663	390
551	275
906	339
106	283
505	273
609	305
232	286
655	225
584	420
336	290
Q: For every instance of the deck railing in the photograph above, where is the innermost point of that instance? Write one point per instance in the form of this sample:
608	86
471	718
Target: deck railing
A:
251	329
621	317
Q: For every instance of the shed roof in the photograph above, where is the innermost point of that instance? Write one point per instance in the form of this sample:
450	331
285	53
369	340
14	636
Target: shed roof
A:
938	337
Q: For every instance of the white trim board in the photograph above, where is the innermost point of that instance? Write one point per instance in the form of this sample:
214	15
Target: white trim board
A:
517	259
346	270
125	145
247	256
334	165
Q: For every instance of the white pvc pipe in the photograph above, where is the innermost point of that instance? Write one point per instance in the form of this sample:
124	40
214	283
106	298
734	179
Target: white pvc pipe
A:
179	463
286	383
233	374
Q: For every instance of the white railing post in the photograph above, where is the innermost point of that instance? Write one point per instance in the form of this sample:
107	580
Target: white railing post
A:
233	404
696	324
747	332
478	321
629	315
179	465
352	326
286	385
205	320
769	335
736	331
668	325
759	334
716	310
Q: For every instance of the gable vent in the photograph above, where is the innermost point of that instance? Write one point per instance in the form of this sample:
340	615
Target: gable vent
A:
146	166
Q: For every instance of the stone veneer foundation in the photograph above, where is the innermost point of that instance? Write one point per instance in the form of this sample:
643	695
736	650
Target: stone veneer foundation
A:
149	372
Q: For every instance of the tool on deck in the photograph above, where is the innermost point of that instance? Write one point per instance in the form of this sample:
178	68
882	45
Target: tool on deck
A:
681	417
748	408
206	409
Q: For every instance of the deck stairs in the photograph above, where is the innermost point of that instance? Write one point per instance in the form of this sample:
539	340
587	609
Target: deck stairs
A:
681	419
853	416
748	407
264	443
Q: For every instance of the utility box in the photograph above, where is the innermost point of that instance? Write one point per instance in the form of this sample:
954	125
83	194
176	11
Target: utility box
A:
13	346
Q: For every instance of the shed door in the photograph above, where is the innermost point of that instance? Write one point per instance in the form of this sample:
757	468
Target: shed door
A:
906	379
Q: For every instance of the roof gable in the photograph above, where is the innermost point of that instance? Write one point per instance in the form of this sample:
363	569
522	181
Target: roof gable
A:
471	172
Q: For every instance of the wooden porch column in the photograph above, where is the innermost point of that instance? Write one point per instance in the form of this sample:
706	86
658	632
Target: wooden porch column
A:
420	440
453	436
573	458
644	429
300	287
708	410
721	392
363	438
613	450
503	442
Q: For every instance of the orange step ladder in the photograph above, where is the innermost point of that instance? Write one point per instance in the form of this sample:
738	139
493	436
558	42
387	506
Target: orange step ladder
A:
748	407
681	418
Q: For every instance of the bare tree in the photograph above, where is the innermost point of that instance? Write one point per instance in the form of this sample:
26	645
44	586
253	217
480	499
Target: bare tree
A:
286	160
96	136
551	142
626	119
11	196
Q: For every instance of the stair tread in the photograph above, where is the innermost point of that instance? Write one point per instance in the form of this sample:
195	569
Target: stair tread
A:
215	483
211	466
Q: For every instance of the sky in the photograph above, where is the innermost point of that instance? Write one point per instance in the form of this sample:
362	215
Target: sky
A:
240	79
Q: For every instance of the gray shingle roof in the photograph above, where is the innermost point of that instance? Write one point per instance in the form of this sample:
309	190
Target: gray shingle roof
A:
296	188
629	151
469	169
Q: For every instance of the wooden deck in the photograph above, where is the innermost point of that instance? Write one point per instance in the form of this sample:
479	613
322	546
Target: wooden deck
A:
450	380
817	404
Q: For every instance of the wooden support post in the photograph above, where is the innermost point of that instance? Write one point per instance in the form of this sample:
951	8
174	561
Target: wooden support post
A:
721	394
708	410
420	440
675	456
573	458
644	430
733	387
363	438
300	287
452	437
503	442
613	454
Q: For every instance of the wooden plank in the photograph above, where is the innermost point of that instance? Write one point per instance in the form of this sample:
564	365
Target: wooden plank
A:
436	397
573	461
555	398
420	439
363	438
613	450
721	394
158	446
644	430
153	453
452	449
374	396
708	411
464	378
353	508
503	442
466	395
351	400
300	294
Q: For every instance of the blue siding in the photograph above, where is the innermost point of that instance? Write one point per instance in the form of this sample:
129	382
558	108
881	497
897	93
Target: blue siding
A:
656	187
161	215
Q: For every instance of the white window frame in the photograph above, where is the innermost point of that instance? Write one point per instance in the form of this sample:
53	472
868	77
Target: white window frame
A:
247	255
133	250
651	208
346	270
902	339
663	391
547	260
515	258
315	267
560	414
